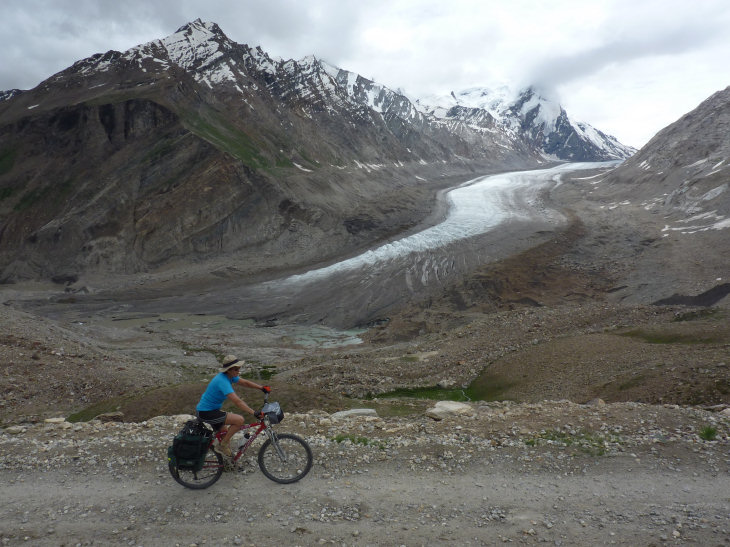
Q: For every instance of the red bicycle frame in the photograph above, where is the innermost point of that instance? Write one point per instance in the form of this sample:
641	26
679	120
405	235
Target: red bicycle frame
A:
250	437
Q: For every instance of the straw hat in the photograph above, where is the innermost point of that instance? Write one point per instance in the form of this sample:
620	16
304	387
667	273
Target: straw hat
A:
229	362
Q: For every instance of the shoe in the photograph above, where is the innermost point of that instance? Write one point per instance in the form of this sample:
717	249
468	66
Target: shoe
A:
224	449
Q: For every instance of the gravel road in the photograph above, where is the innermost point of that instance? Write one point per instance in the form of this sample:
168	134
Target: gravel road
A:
626	474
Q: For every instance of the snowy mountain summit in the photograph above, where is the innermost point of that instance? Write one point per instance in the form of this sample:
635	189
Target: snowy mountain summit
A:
531	116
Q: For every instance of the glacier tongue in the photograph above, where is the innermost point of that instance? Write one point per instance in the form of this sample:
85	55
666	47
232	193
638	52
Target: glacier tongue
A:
475	207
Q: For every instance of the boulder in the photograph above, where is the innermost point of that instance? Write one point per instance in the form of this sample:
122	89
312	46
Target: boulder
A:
446	409
354	412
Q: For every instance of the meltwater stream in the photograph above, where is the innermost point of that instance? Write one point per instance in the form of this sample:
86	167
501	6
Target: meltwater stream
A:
487	219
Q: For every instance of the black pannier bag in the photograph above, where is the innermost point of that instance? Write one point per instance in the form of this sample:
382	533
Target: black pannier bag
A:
190	446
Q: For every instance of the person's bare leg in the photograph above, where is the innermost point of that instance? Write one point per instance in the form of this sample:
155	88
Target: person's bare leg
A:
234	423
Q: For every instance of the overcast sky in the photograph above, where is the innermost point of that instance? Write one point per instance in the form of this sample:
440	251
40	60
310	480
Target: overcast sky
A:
627	67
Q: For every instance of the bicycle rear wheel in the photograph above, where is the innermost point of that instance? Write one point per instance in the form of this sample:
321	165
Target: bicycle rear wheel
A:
287	459
207	476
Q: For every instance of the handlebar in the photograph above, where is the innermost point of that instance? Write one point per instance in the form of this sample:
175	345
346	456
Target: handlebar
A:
261	410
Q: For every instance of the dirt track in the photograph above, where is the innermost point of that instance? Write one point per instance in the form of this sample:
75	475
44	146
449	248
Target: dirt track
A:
607	474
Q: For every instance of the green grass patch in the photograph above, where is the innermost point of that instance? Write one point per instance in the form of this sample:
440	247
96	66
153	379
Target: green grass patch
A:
709	313
490	387
390	408
364	441
265	372
6	193
311	162
593	444
162	148
485	388
227	138
283	162
708	433
91	412
663	337
165	401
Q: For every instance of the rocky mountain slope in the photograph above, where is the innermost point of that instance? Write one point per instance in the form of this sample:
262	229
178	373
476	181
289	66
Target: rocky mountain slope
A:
680	181
685	169
194	147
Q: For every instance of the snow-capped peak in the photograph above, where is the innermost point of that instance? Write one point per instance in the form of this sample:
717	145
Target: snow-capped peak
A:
528	112
502	102
194	42
494	101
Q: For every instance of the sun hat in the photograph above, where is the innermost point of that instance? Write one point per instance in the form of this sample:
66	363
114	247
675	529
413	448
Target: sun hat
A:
229	362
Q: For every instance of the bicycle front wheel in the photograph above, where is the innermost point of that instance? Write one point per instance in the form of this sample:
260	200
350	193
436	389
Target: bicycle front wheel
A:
207	476
285	460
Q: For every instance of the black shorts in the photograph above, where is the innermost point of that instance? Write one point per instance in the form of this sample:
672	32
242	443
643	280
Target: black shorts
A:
216	418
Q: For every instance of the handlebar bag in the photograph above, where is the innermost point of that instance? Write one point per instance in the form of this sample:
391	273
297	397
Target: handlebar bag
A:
274	412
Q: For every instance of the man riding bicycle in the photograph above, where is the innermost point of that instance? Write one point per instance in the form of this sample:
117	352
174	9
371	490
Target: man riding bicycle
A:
219	389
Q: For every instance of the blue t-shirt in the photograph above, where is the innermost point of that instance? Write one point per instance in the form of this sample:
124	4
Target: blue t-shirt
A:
218	389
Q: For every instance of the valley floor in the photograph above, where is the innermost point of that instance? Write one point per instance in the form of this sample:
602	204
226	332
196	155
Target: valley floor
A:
570	319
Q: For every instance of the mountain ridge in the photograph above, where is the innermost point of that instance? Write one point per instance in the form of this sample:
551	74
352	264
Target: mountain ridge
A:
194	147
202	47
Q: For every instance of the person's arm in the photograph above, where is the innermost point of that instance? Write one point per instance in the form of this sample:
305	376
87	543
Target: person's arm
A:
236	400
248	383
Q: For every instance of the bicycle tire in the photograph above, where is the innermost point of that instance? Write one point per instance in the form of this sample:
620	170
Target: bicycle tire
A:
207	476
296	463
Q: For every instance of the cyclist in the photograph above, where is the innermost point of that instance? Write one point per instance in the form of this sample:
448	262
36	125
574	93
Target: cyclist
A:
219	389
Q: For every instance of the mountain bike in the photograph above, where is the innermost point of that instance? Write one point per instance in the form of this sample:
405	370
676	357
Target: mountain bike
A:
284	458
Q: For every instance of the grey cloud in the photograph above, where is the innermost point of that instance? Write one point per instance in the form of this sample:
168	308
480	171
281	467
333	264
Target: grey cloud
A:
629	42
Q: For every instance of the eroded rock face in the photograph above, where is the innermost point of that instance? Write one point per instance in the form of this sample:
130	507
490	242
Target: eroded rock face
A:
122	187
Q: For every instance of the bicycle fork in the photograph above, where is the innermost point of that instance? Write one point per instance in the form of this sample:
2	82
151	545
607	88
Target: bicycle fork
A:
275	443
